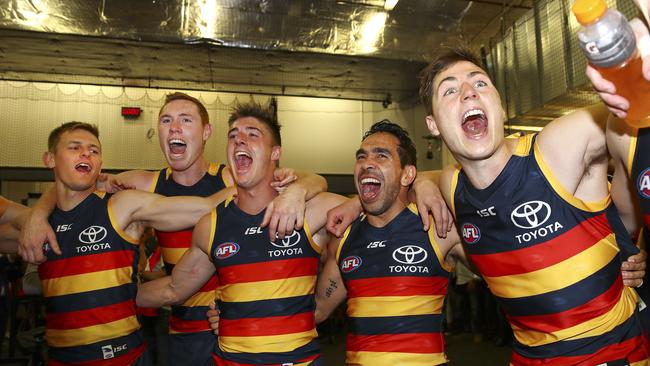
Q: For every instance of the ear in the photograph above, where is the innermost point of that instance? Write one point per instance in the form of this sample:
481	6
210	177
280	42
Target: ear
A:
432	126
408	175
207	131
276	151
48	159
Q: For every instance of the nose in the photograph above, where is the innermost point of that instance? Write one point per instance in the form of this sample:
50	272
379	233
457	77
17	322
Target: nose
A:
85	151
467	91
175	125
240	138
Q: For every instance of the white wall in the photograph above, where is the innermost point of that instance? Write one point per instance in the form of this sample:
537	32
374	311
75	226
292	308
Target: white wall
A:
319	134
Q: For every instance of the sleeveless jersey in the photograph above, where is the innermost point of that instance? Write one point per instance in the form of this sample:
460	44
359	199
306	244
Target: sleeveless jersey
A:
553	263
638	166
639	170
90	289
396	280
190	316
266	292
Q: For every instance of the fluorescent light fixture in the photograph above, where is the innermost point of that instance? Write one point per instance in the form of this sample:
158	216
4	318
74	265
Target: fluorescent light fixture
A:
390	4
371	30
208	18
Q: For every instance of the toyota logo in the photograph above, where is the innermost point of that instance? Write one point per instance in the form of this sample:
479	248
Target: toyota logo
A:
410	254
92	234
531	214
288	241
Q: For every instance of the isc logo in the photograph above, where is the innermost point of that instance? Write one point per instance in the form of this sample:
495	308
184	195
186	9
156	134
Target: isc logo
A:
471	233
253	230
226	250
350	263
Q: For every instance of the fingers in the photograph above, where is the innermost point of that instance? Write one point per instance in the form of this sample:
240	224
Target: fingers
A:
643	44
267	215
332	222
51	239
213	318
599	83
424	216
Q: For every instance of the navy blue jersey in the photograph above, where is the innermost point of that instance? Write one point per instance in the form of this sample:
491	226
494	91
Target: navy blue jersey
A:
396	280
90	289
553	262
266	291
190	316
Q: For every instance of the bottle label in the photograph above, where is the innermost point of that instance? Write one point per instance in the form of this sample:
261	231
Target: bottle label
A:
611	50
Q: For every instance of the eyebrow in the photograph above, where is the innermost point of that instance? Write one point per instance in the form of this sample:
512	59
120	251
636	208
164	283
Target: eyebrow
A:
375	150
77	142
245	128
453	78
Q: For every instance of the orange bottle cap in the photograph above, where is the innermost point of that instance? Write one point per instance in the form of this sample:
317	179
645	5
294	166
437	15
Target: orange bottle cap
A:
586	11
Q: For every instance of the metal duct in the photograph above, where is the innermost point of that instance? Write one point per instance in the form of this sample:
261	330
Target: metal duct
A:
353	27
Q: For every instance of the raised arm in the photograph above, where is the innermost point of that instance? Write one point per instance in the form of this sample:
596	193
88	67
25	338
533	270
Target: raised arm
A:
330	290
623	191
286	212
131	179
160	212
189	274
574	149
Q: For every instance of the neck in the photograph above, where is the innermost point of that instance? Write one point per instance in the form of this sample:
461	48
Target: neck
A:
383	219
482	173
193	173
253	200
67	199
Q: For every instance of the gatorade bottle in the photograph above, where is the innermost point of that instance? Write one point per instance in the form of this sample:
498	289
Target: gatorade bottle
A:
608	42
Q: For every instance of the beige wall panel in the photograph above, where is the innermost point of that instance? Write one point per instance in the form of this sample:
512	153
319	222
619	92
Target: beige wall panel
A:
319	134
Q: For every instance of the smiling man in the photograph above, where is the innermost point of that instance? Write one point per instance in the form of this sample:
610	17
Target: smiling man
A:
266	287
90	287
393	274
537	221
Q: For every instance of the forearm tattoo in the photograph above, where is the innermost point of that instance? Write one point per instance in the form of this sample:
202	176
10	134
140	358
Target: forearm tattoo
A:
330	289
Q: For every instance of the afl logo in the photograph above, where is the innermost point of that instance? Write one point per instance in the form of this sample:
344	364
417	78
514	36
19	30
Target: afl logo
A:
226	250
350	263
471	233
288	241
410	254
643	183
92	234
531	214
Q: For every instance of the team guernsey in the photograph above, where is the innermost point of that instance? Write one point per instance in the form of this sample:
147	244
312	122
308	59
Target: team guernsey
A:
396	281
553	263
190	316
639	169
266	294
90	289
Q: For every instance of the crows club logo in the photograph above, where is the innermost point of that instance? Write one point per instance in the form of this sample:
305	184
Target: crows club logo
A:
410	254
226	250
643	183
288	241
92	234
531	214
350	263
471	233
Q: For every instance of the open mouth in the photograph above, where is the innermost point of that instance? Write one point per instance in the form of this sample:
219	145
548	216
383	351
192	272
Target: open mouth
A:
243	160
177	146
370	188
83	168
474	123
